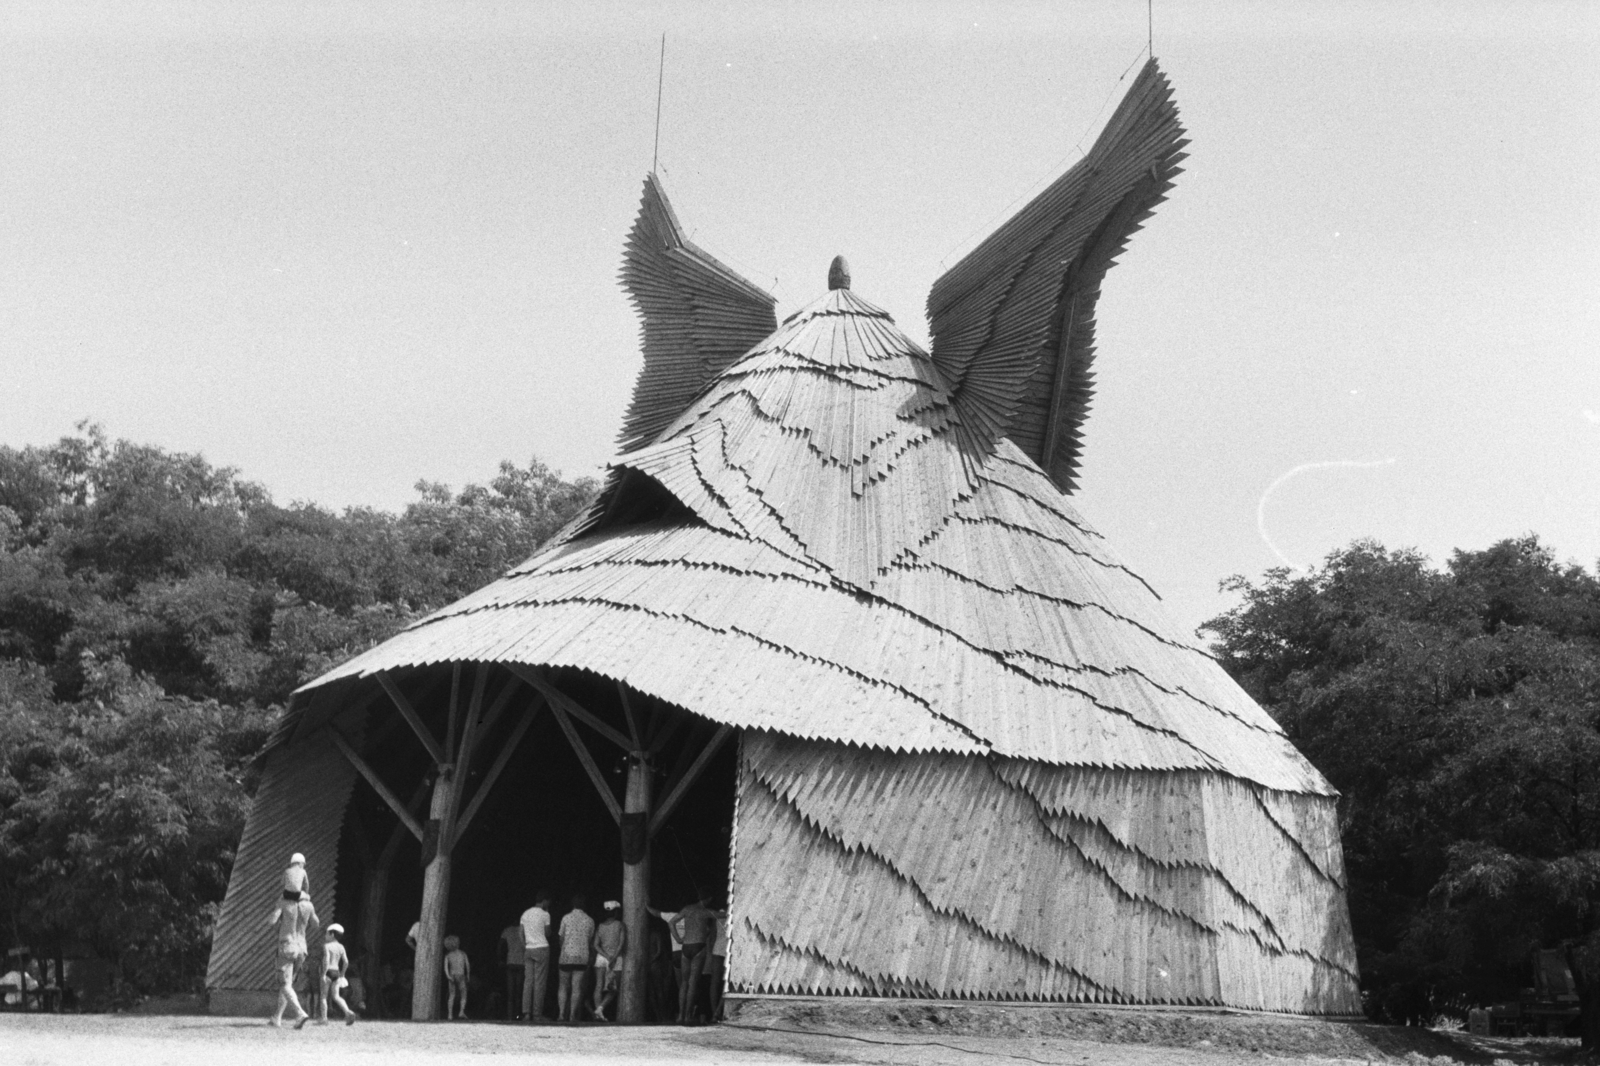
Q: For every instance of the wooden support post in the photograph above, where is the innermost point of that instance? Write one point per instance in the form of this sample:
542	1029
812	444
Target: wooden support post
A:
627	714
636	894
455	704
428	971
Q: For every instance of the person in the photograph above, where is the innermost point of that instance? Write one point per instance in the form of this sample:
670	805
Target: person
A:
577	937
289	920
674	961
358	978
335	963
535	924
610	941
457	971
693	926
669	917
719	960
663	997
311	970
295	880
510	952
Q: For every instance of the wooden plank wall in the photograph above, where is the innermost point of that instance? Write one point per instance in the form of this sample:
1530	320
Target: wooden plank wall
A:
873	873
299	806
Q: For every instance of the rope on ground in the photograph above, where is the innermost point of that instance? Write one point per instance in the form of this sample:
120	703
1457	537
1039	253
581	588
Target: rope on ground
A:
893	1043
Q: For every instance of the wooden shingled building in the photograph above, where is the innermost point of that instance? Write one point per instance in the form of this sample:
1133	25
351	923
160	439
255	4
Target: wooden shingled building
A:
833	639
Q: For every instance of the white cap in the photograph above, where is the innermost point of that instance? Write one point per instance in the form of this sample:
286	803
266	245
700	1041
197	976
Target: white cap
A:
336	928
296	858
612	905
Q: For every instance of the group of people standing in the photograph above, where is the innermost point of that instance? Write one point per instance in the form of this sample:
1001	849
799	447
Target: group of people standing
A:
302	944
585	946
597	954
591	957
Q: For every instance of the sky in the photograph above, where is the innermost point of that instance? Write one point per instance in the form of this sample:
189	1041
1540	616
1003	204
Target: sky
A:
347	246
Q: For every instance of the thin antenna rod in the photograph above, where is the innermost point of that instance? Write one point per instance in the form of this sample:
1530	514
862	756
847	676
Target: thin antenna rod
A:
661	76
1149	25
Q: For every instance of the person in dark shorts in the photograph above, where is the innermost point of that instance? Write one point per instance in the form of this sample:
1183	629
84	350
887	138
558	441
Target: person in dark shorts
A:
335	963
693	925
577	939
510	950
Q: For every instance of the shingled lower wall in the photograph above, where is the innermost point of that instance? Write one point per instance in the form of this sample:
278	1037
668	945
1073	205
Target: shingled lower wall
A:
862	872
299	806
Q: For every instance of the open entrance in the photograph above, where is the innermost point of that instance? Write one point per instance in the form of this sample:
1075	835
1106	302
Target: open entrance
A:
487	785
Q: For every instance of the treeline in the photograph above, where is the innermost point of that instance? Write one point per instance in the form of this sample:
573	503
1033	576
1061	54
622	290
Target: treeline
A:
1458	711
155	613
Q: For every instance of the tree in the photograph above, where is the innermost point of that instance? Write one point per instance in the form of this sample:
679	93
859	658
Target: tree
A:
155	613
1458	711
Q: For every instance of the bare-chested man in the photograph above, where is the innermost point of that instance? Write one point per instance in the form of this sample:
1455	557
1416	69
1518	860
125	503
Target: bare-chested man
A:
291	920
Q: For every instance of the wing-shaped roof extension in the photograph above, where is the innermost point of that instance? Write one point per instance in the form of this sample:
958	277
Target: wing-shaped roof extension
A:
1013	322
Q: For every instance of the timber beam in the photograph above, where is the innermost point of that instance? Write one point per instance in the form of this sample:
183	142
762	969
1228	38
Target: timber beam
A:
499	765
681	786
560	700
409	713
383	790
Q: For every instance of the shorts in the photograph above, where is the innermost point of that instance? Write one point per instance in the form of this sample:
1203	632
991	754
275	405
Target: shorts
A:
574	967
692	951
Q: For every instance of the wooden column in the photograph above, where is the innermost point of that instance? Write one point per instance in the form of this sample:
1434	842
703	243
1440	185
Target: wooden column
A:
631	1004
428	972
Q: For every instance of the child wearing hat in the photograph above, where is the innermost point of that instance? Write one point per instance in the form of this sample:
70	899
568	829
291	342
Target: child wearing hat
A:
295	881
335	961
458	971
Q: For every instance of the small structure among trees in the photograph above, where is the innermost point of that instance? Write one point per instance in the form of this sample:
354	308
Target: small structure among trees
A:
833	602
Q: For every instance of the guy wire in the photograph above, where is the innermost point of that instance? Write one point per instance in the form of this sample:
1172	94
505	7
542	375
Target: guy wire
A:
661	77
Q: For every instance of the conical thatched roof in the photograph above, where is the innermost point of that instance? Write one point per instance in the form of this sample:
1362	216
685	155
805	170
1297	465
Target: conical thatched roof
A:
842	568
835	539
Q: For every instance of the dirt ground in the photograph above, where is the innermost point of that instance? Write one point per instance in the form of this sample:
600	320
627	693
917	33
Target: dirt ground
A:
765	1032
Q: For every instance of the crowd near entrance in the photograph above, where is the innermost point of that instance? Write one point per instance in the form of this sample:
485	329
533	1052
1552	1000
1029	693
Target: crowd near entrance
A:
503	806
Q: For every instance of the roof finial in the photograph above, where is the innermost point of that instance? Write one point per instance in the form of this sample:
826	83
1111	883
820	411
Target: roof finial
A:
839	273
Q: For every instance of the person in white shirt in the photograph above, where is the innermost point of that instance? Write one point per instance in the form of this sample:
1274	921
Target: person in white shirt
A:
536	957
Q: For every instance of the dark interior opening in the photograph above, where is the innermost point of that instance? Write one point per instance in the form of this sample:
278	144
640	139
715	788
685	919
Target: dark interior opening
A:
543	825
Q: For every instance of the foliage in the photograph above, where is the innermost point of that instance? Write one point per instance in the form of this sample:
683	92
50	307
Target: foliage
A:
1458	711
155	614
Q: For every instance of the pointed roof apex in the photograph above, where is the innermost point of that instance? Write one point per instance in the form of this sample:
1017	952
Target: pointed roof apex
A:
838	273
